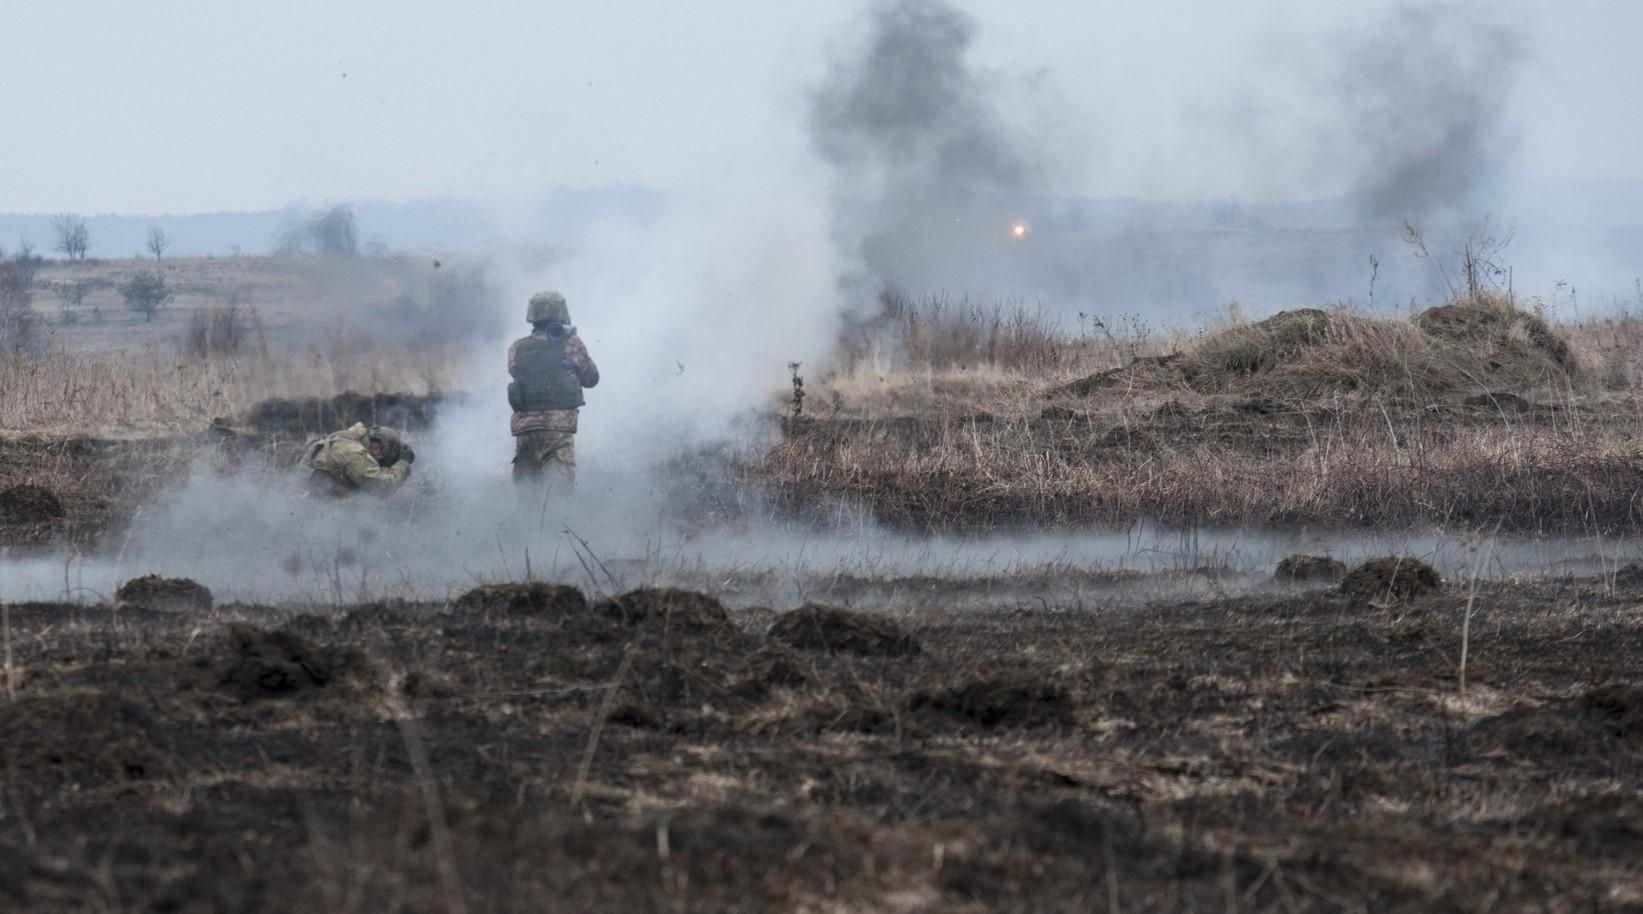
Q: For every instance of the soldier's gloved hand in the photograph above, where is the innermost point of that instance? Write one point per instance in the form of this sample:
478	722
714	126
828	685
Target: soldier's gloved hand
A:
406	454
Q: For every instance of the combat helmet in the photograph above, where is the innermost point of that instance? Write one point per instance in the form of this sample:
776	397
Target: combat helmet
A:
392	446
547	305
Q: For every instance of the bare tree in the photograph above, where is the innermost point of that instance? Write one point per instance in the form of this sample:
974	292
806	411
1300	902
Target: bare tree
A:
157	242
331	233
72	237
335	232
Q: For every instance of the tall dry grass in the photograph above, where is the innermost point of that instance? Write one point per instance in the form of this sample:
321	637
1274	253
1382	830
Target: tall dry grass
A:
1478	412
938	355
156	393
1217	465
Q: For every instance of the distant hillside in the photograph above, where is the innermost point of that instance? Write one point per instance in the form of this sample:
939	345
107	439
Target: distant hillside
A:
442	225
1575	244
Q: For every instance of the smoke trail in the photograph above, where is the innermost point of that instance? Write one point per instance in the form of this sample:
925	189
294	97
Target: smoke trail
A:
928	168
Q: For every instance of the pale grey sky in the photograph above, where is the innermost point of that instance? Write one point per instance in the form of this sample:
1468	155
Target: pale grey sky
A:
171	107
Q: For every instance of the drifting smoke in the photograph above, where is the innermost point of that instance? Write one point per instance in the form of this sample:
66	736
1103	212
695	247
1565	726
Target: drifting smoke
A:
928	169
1417	112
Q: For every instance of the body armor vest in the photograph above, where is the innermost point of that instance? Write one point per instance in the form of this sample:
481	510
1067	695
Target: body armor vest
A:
541	379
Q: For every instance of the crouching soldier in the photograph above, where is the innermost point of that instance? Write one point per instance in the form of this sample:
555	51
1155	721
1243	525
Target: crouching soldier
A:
549	369
358	459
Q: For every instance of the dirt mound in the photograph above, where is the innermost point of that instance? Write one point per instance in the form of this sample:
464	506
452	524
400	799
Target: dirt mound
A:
1391	580
1617	708
250	664
29	504
370	618
162	594
534	599
1516	347
1017	699
1628	577
1501	402
665	609
1301	568
1606	826
660	657
311	416
1258	347
1307	353
1145	372
79	741
840	631
1601	720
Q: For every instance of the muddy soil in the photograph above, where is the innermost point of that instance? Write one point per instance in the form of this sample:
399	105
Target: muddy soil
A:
531	749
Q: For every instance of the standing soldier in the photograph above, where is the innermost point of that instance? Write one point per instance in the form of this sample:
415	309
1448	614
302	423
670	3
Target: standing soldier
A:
549	368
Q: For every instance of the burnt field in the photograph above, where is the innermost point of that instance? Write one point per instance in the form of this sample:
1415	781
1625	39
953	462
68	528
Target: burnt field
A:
972	732
527	748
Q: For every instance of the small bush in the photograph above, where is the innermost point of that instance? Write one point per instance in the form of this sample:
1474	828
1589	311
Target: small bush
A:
146	292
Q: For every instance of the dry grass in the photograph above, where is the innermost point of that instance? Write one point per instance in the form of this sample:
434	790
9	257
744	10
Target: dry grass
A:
932	356
1476	413
155	394
936	358
239	330
1221	467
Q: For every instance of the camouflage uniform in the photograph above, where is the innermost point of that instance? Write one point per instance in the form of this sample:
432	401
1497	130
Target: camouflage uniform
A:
343	465
545	439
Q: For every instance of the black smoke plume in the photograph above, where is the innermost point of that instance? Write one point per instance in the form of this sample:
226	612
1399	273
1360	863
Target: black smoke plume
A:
929	160
1422	110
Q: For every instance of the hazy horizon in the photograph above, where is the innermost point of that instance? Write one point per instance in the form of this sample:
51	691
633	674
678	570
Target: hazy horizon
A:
168	108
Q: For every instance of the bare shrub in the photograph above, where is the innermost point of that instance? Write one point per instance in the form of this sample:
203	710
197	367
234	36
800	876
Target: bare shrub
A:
26	262
72	292
452	304
19	325
937	333
232	328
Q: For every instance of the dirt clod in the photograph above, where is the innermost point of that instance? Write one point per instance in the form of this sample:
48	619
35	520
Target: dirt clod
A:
665	609
840	631
1391	580
29	504
1618	707
251	664
1017	700
535	599
163	594
1300	568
